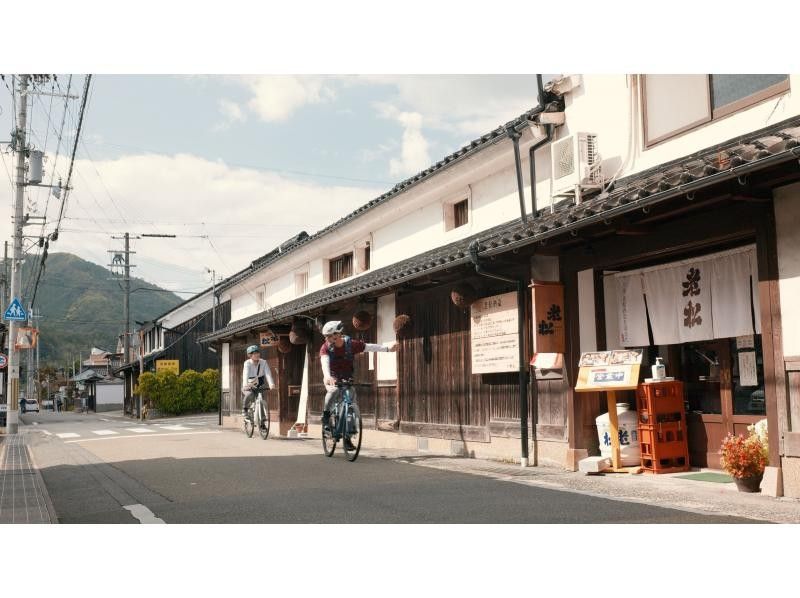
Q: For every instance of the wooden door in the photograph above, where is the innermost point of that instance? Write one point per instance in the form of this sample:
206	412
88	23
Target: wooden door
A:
716	403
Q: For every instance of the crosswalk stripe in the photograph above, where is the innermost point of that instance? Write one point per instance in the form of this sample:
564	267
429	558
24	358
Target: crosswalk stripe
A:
139	430
104	432
68	435
176	428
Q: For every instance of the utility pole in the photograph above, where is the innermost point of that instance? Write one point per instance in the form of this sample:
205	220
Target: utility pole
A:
12	423
123	260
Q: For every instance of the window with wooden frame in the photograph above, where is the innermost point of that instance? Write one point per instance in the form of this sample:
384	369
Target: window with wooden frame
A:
340	267
260	299
362	257
300	283
674	104
456	214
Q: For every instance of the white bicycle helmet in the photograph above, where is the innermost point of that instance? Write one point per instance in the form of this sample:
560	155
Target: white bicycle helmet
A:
333	327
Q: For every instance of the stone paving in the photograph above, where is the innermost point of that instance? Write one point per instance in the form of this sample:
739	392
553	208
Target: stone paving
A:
665	490
23	496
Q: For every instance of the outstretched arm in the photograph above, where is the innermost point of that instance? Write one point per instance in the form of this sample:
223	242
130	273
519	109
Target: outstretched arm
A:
372	347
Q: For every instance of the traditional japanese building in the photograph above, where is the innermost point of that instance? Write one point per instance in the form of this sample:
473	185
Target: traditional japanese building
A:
663	207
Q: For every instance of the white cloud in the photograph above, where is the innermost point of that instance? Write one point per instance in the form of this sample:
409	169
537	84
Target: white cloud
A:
232	113
275	98
468	105
244	212
414	149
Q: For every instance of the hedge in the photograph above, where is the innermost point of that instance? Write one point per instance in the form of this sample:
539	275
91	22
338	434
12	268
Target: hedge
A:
191	392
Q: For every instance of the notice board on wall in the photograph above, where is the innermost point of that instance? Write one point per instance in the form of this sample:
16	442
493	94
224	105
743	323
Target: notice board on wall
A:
494	327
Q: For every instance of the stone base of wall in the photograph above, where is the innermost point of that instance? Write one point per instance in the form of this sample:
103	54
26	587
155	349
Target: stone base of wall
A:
790	467
550	453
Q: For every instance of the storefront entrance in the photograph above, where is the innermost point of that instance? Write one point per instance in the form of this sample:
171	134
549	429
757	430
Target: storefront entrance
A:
719	401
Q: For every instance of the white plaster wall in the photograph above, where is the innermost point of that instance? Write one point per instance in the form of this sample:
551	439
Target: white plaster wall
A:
601	104
225	374
586	312
787	225
109	394
387	362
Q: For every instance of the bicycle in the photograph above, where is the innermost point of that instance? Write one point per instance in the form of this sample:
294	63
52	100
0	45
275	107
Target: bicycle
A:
257	415
344	424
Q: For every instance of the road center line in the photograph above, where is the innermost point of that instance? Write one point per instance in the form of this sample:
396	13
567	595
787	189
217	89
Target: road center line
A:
143	514
140	436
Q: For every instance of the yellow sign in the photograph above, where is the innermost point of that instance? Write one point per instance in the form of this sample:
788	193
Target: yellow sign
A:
609	370
168	365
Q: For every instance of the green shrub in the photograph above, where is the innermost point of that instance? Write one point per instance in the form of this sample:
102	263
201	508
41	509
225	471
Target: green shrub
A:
148	388
210	401
191	392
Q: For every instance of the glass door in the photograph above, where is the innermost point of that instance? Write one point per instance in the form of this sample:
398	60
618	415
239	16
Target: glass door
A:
723	393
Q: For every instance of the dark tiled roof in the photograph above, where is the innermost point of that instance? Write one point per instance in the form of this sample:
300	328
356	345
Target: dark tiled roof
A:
476	145
734	158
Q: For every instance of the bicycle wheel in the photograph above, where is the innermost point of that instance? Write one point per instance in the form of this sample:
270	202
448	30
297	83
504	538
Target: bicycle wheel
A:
352	432
264	427
328	440
248	423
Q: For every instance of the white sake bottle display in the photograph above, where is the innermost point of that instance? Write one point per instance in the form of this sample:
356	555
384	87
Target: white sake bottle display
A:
628	433
659	371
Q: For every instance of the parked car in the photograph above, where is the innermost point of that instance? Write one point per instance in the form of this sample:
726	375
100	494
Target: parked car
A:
31	405
47	404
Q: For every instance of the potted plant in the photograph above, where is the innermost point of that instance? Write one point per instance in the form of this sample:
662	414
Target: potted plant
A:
744	458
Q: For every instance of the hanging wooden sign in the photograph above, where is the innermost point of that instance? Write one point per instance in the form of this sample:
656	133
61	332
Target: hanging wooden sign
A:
548	317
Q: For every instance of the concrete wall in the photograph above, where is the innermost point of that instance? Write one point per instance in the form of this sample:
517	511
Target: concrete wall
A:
109	397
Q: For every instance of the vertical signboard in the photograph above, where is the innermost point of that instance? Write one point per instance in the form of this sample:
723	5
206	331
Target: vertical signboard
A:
495	334
548	317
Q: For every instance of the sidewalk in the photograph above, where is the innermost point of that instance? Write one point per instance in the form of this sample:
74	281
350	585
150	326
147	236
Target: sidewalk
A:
666	490
23	496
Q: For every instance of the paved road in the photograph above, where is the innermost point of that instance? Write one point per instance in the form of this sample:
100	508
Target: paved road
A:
111	470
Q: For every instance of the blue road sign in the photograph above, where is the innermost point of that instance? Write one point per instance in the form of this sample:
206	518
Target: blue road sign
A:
15	311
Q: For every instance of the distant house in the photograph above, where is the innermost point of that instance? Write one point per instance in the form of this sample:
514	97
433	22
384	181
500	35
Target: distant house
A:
99	361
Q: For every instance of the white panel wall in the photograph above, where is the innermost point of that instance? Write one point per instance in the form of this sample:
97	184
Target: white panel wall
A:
602	105
586	311
225	374
787	225
387	362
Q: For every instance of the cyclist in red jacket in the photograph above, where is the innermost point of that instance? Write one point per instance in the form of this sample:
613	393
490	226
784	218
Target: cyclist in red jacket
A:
336	356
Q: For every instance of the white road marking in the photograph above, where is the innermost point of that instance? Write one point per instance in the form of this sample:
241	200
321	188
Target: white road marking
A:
143	514
102	419
175	428
68	435
146	436
139	430
104	432
46	432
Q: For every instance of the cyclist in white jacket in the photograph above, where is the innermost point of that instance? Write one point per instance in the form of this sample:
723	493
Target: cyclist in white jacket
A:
256	374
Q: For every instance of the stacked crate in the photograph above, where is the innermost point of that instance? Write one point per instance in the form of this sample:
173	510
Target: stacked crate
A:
662	427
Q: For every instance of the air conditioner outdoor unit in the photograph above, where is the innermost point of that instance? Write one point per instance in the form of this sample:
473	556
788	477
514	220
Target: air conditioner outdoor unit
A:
576	165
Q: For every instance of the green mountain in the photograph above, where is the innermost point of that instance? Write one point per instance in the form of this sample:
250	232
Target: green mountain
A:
82	307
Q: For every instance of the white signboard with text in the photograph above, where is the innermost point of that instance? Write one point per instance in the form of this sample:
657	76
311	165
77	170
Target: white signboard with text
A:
495	334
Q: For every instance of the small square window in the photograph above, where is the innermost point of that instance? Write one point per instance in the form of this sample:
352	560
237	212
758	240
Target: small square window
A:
340	267
300	283
460	213
456	214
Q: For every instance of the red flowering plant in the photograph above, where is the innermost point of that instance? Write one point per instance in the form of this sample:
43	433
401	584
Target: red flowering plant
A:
744	457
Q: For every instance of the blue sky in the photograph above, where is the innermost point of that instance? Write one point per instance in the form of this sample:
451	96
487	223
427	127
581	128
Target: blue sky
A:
234	165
